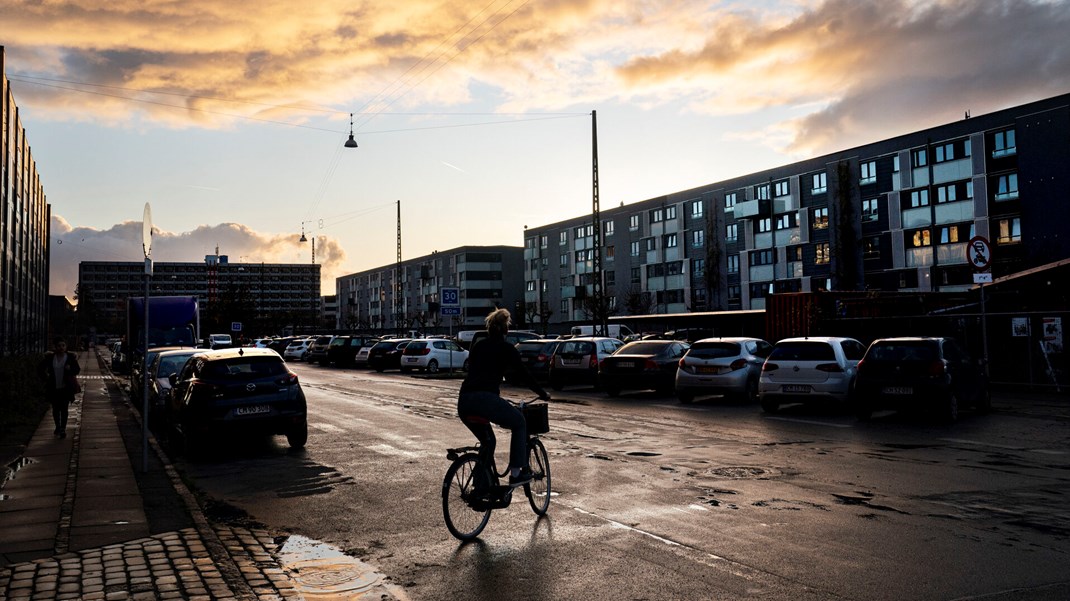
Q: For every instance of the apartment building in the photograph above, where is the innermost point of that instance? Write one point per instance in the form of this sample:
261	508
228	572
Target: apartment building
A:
266	298
894	215
398	298
24	234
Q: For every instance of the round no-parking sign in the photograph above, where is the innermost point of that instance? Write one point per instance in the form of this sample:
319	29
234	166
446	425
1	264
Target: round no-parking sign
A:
979	253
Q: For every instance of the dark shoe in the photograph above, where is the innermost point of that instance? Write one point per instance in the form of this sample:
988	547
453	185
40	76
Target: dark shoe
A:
62	434
521	479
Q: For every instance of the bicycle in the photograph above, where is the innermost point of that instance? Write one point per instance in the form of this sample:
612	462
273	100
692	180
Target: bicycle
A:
472	487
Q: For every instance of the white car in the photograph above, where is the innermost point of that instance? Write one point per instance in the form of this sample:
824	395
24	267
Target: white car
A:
433	354
298	349
811	369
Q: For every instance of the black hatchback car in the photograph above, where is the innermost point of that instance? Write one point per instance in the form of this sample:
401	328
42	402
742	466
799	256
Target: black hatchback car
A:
238	390
386	354
343	349
930	374
642	365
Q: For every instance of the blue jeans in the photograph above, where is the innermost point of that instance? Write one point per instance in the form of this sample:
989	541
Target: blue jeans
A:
499	412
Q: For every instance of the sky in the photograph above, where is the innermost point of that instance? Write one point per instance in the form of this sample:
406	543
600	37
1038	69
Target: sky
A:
229	117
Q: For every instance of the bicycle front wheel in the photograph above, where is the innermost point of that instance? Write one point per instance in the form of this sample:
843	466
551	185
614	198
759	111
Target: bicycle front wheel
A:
538	491
458	492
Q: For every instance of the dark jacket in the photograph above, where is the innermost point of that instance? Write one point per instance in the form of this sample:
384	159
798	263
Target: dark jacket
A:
48	375
488	361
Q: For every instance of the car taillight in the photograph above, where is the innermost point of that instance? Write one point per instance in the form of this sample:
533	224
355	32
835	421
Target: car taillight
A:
686	367
937	368
200	387
650	364
426	351
738	364
287	380
767	366
831	368
858	368
594	361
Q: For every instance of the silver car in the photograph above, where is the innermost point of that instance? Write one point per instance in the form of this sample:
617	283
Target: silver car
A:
812	369
726	366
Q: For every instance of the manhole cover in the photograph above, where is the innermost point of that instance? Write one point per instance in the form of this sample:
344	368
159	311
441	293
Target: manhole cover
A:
740	473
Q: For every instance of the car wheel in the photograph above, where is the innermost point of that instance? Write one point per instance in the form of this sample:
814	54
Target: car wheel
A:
379	369
863	409
465	366
750	394
984	401
950	411
297	436
685	397
770	404
613	391
432	366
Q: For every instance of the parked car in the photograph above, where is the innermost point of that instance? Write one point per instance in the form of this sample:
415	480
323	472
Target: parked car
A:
812	369
929	374
361	358
642	365
120	358
386	354
137	382
222	393
317	351
279	345
218	341
535	354
726	366
343	350
512	336
432	354
297	350
576	360
262	343
165	364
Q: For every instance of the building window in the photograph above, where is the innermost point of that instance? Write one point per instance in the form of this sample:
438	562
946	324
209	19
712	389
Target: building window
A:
635	248
895	163
731	232
529	243
633	223
608	226
953	234
785	221
531	286
1003	144
698	268
765	225
1010	231
735	292
696	208
820	183
919	238
674	268
698	238
651	244
782	188
611	278
562	238
821	218
656	270
730	201
670	241
670	212
919	198
564	261
869	172
566	280
657	215
1007	187
636	275
871	247
761	192
822	256
870	209
564	307
761	257
733	263
610	250
919	158
945	152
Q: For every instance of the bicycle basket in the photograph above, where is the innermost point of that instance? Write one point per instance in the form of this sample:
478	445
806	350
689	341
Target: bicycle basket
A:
537	417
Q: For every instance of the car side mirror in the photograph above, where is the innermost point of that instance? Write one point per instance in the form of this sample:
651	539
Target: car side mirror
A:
173	379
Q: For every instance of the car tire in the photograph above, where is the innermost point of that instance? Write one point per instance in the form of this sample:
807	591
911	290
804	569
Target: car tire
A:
949	412
984	401
750	393
863	409
770	404
686	397
297	436
613	391
465	366
432	366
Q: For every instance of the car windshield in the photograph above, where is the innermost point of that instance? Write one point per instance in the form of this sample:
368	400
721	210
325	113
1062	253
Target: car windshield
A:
803	351
385	345
339	341
642	348
902	351
714	350
576	347
244	368
171	364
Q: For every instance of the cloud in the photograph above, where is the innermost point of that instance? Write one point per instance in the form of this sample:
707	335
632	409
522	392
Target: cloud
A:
122	242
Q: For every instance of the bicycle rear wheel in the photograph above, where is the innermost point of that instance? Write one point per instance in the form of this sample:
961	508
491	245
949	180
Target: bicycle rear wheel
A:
458	490
538	491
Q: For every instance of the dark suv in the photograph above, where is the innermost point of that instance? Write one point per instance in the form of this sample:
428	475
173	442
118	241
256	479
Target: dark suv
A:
343	349
317	351
931	374
386	354
223	392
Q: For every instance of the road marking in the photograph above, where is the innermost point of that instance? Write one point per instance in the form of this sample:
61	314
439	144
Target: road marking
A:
1000	446
811	422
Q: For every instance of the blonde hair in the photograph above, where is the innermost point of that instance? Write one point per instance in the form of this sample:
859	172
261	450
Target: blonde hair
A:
498	321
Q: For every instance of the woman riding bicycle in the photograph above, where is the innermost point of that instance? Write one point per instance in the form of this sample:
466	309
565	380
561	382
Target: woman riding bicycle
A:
480	396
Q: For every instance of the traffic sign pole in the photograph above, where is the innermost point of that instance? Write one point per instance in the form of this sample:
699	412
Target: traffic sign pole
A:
979	255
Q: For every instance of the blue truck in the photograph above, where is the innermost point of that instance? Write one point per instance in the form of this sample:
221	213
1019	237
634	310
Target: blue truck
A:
173	321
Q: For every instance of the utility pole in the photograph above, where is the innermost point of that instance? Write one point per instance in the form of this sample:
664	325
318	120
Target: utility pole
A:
600	325
397	278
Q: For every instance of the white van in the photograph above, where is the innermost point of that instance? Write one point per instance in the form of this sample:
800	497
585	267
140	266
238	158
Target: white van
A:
613	331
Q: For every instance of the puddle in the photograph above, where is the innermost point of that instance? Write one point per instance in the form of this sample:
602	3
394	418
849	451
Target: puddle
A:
740	473
642	454
321	571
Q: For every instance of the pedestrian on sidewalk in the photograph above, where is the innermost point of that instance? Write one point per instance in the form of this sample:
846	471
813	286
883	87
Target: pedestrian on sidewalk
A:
59	370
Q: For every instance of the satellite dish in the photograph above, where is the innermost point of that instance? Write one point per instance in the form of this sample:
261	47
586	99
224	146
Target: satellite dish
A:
146	231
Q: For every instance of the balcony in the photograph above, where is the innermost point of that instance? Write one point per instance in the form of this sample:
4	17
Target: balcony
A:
761	273
920	257
751	208
918	217
948	254
953	212
788	236
951	171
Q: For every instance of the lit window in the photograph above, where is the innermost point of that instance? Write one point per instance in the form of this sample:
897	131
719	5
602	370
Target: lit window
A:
729	201
921	238
782	188
531	285
871	248
823	256
731	232
953	234
870	209
698	238
1010	231
1007	187
919	198
869	172
820	183
821	218
1003	144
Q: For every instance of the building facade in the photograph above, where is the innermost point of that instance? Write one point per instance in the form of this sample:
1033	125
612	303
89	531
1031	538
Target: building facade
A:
399	298
266	298
24	234
895	215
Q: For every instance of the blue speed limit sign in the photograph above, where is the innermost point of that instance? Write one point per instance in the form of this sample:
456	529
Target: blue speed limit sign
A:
451	297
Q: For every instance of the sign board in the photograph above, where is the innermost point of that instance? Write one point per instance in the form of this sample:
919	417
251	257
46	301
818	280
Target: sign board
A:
1053	334
1020	327
982	277
235	326
450	297
979	253
450	311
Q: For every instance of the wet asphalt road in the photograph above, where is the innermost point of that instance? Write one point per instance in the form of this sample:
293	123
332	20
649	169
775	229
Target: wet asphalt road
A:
657	500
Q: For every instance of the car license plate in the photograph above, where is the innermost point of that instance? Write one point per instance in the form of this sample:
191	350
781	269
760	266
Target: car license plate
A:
626	364
412	359
570	361
705	369
797	388
252	410
898	390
